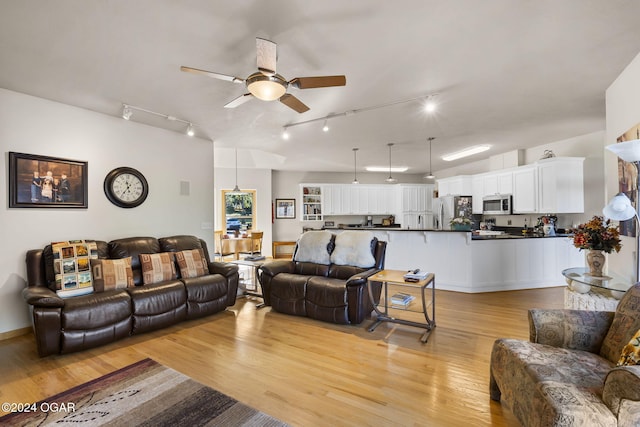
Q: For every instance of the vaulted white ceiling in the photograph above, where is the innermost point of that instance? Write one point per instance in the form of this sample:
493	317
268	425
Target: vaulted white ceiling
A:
510	73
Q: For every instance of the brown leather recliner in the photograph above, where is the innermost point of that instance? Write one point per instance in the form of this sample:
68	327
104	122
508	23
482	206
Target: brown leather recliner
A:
328	292
64	325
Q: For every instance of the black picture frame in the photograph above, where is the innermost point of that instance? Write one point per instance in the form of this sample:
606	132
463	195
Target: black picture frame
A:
285	208
61	183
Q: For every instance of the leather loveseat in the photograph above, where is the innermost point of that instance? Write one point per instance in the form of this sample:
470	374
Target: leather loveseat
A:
65	325
327	277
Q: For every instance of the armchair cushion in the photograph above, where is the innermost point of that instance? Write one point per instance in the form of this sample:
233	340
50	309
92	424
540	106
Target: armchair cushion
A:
625	324
570	329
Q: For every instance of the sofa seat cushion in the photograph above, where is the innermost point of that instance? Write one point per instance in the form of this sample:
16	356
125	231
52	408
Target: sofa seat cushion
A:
96	310
288	293
564	387
327	299
205	295
157	306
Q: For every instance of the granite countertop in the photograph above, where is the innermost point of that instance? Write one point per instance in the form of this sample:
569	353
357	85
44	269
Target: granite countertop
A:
505	236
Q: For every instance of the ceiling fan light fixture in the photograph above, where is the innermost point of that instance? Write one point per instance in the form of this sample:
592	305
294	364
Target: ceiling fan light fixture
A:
266	88
466	152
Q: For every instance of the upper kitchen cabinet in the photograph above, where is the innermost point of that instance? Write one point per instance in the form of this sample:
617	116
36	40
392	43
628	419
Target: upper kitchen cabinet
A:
525	189
461	185
488	184
417	197
561	185
359	199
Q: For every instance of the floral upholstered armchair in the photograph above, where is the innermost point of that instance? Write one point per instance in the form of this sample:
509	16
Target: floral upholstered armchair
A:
576	370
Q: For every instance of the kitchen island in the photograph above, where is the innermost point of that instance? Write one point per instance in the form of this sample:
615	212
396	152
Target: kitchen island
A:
464	264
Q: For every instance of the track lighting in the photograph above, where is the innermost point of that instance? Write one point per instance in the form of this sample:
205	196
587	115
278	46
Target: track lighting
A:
126	112
430	175
390	179
285	133
325	128
355	170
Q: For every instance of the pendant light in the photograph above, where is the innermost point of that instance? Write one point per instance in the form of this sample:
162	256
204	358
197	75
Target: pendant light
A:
430	175
236	189
355	173
390	179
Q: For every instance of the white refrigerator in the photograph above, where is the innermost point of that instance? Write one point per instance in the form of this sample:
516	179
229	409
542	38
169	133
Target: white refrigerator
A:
448	207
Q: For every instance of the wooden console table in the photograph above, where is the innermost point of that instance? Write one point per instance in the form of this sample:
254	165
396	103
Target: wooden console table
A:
276	244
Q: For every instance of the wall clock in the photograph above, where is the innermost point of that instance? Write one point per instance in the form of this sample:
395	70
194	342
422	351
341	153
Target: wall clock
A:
126	187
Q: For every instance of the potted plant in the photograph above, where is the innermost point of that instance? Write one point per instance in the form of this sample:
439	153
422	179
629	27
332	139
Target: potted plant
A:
596	236
460	224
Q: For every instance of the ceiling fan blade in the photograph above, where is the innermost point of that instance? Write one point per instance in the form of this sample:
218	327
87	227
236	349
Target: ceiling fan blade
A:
320	81
239	100
212	74
293	102
266	56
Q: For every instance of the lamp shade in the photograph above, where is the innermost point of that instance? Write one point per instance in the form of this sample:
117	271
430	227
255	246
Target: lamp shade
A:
619	208
629	151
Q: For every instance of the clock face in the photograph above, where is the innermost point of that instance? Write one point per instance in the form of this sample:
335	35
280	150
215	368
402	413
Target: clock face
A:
126	187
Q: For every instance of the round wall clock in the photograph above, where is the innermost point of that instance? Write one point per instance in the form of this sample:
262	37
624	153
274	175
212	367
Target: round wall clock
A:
126	187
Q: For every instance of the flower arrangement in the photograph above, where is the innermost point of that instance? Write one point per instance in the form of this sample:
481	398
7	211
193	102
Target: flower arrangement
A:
460	221
597	234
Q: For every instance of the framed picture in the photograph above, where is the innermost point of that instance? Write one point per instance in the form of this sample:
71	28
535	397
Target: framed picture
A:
285	208
46	182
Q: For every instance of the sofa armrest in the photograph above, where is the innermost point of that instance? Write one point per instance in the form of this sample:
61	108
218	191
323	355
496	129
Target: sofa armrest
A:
41	297
621	393
570	329
225	269
274	268
361	278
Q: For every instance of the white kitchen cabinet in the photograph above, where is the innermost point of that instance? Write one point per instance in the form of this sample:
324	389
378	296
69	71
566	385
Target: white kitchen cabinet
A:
477	193
525	189
561	185
460	185
359	199
416	202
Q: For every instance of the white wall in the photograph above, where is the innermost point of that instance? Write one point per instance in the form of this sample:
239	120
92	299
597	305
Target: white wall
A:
623	112
37	126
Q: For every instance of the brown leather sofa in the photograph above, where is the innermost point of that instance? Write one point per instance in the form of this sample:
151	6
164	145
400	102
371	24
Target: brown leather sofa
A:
323	291
65	325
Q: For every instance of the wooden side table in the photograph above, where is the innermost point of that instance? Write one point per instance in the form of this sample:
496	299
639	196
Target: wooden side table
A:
276	244
393	283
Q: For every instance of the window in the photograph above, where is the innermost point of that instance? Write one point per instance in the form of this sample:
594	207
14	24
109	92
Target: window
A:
239	210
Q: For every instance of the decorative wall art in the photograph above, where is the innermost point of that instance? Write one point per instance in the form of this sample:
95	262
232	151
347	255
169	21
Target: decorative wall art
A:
285	208
628	180
46	182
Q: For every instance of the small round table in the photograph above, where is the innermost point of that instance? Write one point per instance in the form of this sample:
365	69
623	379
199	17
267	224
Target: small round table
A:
589	292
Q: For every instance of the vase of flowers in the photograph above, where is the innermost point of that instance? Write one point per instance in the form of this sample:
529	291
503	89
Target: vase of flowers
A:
460	224
596	236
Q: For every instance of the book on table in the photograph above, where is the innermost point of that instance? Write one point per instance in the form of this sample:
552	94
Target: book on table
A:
401	299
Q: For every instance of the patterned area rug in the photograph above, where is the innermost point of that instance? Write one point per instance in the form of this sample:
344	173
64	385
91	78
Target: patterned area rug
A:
143	394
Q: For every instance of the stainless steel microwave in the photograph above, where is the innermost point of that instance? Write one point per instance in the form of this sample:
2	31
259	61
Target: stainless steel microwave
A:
497	204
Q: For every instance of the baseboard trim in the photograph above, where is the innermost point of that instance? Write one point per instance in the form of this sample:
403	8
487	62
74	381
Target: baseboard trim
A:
14	333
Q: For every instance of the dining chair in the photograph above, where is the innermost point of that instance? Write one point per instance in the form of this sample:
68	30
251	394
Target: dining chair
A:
256	243
220	250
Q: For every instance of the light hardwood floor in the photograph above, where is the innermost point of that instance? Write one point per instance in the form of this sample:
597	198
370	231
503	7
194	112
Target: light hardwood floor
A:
310	373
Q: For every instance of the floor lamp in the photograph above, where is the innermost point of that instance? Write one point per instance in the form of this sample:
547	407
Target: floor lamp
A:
619	207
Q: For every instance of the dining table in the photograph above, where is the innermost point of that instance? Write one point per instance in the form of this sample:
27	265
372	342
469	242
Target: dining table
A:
235	245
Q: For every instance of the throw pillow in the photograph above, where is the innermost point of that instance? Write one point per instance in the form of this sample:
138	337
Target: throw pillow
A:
109	274
631	352
192	263
313	246
72	268
354	248
157	267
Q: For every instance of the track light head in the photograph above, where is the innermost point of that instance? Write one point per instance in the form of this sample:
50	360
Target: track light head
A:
325	128
190	130
285	133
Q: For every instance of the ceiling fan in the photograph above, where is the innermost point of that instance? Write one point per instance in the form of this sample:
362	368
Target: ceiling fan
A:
266	84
